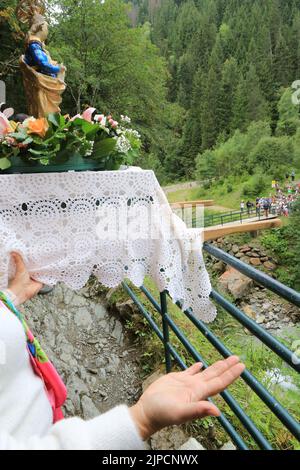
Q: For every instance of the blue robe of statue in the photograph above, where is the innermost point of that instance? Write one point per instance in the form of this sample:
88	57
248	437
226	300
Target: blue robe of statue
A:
36	57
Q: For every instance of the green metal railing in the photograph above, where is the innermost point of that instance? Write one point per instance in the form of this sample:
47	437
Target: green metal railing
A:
172	355
236	216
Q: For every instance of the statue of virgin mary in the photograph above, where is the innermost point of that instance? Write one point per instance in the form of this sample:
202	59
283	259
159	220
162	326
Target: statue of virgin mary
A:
43	78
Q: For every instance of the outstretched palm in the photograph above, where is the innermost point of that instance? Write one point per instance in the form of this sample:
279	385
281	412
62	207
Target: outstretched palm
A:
180	397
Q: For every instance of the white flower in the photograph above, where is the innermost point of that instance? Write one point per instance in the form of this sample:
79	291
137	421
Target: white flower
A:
123	144
125	119
90	149
27	121
134	133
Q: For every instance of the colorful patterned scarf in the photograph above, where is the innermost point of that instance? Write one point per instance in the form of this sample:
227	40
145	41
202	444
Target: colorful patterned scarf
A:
54	386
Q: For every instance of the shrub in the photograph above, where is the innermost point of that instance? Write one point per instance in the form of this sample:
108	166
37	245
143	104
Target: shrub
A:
271	152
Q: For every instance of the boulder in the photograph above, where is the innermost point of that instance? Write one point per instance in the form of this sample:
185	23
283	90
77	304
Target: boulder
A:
126	309
171	438
245	249
260	319
235	283
228	446
89	409
255	261
235	249
192	444
270	266
253	254
220	267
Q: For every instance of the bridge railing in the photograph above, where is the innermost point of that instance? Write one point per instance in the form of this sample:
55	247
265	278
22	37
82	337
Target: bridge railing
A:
172	356
237	216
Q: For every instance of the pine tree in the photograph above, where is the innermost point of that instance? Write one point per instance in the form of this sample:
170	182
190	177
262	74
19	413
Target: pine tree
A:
283	67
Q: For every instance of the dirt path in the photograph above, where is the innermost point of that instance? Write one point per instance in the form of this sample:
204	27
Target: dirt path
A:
219	208
181	186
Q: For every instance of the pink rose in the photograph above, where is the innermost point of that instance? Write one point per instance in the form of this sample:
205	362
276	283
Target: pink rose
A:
76	117
4	125
88	113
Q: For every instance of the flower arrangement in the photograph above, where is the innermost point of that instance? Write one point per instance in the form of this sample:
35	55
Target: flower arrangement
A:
57	139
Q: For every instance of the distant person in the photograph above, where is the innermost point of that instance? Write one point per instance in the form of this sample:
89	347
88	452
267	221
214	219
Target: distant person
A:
242	206
266	207
293	175
257	207
249	206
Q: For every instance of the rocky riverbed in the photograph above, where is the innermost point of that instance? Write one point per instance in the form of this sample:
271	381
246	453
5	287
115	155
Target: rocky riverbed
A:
266	308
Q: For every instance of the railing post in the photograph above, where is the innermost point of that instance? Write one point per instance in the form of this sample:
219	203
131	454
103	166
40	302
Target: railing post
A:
164	311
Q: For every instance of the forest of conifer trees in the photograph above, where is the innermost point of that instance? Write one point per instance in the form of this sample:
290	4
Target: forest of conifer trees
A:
207	82
231	63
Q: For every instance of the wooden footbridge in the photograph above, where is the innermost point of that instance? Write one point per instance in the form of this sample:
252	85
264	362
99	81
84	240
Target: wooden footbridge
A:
220	225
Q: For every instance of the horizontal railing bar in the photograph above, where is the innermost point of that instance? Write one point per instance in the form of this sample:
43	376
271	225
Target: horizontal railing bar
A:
271	402
258	276
225	423
276	346
232	403
152	323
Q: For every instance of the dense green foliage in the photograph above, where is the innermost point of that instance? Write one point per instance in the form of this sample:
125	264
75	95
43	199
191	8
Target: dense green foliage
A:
231	63
190	73
285	244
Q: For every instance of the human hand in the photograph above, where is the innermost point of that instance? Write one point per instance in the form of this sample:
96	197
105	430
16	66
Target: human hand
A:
22	286
181	396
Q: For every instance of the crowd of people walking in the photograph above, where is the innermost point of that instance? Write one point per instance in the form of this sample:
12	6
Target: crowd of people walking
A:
280	203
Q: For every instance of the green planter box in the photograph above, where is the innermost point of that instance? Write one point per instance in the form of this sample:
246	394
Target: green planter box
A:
75	163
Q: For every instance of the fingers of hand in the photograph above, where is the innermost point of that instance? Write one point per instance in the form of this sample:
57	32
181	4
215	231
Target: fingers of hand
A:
219	367
18	260
199	409
218	384
194	369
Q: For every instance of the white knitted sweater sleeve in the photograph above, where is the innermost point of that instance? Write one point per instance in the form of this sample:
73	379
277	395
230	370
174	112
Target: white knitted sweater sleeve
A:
114	430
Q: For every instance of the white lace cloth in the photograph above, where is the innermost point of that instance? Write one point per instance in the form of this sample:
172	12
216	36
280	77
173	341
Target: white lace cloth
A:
70	225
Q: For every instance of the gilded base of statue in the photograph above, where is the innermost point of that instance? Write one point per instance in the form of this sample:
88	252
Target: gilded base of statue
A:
43	93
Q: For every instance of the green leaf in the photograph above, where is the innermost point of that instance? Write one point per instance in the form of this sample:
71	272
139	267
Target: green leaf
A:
20	135
54	118
4	163
28	141
103	148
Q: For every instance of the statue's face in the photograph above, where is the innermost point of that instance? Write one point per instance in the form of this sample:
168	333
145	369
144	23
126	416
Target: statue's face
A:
44	32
